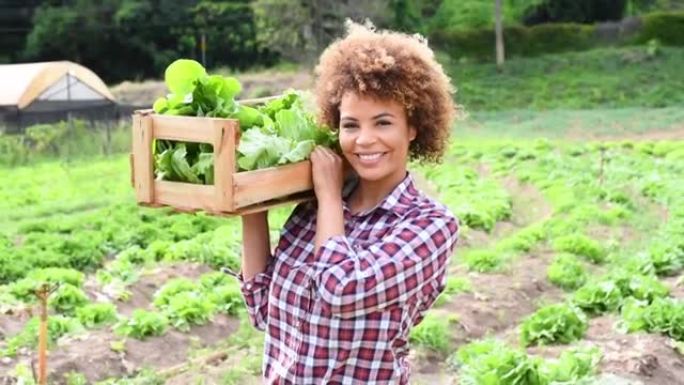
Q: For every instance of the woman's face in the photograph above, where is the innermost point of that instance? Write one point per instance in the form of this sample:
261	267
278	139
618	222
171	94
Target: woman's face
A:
375	137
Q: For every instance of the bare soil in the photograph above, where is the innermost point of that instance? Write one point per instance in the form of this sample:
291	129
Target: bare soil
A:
92	353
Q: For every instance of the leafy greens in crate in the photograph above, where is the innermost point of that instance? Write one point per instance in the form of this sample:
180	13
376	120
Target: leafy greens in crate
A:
280	132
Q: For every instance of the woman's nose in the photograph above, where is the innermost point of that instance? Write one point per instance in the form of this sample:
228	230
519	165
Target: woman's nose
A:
365	137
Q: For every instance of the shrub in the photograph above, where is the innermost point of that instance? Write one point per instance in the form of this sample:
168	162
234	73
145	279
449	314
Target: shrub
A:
668	28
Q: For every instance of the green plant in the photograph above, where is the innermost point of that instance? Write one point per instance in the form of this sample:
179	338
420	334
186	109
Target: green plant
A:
559	323
566	272
641	287
209	281
667	259
572	366
144	377
75	378
67	299
189	308
432	332
598	297
58	326
580	245
663	315
171	288
277	133
484	261
491	362
142	324
228	298
96	314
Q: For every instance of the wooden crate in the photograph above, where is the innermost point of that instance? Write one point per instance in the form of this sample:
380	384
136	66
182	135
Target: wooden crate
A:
233	192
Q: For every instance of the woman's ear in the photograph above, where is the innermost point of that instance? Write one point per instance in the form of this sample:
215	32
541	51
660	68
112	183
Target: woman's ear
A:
412	133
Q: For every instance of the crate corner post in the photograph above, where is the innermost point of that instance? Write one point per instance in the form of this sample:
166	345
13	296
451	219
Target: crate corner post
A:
143	159
225	141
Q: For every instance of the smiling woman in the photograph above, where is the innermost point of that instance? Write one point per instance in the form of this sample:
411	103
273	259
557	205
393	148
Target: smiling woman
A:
358	268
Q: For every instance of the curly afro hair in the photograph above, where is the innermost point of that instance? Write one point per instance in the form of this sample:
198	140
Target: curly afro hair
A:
390	66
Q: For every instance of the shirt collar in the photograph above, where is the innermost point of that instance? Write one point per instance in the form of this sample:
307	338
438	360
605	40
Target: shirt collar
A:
398	201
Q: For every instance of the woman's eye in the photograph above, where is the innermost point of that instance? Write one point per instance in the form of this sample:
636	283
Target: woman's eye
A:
384	123
348	126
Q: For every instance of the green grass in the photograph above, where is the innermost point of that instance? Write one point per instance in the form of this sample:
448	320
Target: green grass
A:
52	188
602	78
568	123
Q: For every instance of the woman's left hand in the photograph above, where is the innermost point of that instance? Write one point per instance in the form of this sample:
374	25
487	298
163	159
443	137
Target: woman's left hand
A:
327	173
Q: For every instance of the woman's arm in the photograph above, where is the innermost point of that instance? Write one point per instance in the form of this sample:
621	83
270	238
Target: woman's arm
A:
256	244
327	180
407	264
257	267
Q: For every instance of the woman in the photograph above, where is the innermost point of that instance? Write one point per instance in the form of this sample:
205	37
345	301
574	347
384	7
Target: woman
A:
355	270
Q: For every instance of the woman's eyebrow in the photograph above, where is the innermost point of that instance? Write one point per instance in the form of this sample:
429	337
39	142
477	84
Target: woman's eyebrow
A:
382	115
378	116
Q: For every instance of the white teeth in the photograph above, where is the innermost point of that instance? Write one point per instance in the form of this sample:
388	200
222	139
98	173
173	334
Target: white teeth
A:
370	156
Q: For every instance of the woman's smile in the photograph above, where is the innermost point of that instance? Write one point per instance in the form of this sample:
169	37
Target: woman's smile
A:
369	159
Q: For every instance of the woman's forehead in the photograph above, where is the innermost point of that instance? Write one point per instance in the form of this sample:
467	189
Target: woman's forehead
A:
364	104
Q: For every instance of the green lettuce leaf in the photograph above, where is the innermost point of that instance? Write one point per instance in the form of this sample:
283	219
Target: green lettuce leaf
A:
300	152
260	150
180	165
181	75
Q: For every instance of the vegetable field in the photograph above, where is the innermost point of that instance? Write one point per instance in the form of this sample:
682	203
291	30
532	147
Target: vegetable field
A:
568	271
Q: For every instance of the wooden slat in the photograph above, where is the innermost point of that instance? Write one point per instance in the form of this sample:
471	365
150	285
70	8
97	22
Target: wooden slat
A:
225	134
185	196
143	172
271	183
185	128
259	207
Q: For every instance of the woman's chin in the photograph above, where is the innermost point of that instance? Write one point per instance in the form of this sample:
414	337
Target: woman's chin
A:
369	175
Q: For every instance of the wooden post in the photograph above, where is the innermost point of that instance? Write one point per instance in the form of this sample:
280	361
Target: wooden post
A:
43	293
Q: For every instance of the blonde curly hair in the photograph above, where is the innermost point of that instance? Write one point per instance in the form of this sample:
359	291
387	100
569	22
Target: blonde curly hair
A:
390	66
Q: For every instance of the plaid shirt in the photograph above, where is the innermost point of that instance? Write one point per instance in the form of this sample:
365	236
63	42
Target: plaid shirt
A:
343	314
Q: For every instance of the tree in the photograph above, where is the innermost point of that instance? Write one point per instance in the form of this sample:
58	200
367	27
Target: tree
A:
578	11
137	39
300	29
15	25
499	36
405	15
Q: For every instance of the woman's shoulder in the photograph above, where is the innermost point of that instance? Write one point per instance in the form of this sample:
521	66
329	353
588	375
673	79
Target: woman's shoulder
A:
424	206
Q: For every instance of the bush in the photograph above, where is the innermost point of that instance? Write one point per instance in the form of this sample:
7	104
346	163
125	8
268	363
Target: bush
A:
541	39
668	28
520	41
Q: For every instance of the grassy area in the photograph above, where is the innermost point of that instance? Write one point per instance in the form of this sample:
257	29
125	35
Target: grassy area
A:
572	124
55	188
605	78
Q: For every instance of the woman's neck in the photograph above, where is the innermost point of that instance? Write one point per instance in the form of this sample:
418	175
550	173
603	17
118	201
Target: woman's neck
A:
369	193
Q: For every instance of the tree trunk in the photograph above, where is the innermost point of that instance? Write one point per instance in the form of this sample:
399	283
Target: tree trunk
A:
499	37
